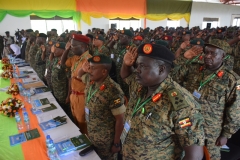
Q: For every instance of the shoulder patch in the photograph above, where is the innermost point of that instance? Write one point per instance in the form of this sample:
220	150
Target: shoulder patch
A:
177	99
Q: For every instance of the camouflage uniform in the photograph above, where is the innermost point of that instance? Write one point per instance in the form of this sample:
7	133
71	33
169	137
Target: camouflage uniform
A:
32	54
236	54
27	50
59	81
158	133
49	65
53	38
103	50
102	109
219	98
118	59
40	64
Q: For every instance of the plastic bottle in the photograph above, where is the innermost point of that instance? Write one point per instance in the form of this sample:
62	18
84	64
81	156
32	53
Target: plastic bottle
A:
26	119
18	120
52	152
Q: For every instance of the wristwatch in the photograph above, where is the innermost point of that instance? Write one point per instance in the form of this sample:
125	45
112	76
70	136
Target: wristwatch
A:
116	145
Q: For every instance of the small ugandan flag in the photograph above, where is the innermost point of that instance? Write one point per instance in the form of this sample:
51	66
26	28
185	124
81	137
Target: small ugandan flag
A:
185	123
117	101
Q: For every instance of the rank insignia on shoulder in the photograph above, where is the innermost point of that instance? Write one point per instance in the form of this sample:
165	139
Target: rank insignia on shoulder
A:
173	94
185	123
238	87
117	101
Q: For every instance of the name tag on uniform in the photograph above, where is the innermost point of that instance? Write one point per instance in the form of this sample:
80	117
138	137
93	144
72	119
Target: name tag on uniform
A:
118	59
125	131
196	94
45	72
112	55
87	114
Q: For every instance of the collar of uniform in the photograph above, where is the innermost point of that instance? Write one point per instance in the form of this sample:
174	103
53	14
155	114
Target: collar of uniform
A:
209	73
84	54
163	86
105	82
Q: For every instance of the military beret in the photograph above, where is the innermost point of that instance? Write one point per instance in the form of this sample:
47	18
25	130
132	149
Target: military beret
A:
60	45
79	32
81	38
36	31
197	42
72	31
186	32
7	32
100	37
54	30
145	31
161	42
63	35
220	44
28	30
42	35
156	51
89	35
140	38
100	59
127	32
167	38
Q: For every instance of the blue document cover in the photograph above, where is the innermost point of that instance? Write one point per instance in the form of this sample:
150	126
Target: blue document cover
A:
51	124
17	139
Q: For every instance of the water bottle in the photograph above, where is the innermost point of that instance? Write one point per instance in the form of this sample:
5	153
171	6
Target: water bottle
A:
20	88
25	95
29	96
52	152
26	119
48	139
18	120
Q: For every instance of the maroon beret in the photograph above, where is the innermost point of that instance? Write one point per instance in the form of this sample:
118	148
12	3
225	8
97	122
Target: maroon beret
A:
167	38
81	38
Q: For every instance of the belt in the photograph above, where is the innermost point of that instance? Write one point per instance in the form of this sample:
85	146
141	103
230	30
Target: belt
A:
77	93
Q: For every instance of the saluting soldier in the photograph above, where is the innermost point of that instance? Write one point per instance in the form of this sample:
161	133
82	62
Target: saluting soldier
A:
217	88
162	118
104	107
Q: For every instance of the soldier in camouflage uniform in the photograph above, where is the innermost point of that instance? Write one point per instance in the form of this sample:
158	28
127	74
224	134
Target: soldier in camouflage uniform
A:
58	76
32	54
31	36
217	89
104	111
98	42
162	118
40	62
137	40
91	47
49	63
125	40
236	53
53	36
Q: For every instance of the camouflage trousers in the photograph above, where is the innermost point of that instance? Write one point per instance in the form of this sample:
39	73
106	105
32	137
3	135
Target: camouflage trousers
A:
214	151
40	69
103	148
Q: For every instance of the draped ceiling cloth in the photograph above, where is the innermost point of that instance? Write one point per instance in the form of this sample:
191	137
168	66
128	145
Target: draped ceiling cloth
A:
85	9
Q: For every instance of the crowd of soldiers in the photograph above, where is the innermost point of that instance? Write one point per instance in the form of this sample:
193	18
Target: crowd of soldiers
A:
146	94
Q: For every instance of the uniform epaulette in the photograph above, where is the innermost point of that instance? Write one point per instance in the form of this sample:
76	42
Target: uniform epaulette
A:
233	73
177	99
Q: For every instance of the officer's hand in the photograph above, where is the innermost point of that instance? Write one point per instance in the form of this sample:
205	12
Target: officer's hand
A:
115	37
184	45
52	49
43	48
68	45
115	149
130	56
86	67
221	141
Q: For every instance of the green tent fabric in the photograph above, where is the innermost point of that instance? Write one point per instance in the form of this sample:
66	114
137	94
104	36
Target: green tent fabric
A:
43	14
168	6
